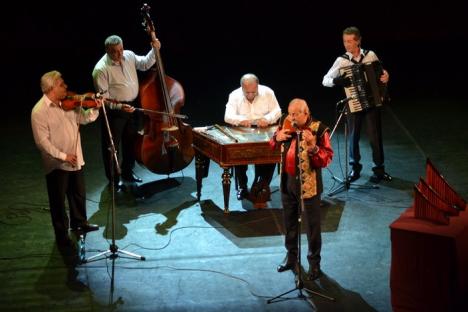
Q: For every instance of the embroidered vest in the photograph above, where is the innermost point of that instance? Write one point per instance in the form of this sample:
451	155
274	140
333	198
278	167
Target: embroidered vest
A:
309	176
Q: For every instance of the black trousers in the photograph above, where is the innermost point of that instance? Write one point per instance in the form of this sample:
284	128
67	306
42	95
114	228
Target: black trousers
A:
374	132
291	199
124	128
69	184
263	174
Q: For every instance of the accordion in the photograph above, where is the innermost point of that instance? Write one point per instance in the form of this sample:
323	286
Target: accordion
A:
366	89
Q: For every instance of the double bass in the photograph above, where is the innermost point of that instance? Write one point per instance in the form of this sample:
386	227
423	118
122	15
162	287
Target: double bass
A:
166	145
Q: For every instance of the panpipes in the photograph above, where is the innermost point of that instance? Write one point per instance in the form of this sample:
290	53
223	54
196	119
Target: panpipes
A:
442	187
366	89
434	199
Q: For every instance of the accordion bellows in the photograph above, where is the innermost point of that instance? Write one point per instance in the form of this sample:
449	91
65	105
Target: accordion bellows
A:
366	90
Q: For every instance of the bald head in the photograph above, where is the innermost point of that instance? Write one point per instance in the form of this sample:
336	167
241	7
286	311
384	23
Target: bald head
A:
249	84
249	78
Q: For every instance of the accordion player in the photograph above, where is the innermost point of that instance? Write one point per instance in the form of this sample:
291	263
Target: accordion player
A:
365	90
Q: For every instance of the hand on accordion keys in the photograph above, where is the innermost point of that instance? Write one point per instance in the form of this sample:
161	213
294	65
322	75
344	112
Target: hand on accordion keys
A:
342	81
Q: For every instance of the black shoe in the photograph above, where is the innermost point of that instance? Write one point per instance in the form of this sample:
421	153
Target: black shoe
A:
118	187
131	177
376	178
287	266
87	227
314	273
260	192
242	193
355	173
353	176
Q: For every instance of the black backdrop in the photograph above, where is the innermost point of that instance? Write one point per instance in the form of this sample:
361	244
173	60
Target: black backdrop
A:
207	46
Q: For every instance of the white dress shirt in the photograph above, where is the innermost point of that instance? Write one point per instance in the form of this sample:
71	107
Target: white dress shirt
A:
120	80
340	62
264	105
56	133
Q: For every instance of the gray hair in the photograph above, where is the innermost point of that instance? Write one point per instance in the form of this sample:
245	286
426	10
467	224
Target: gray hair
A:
249	77
112	41
48	80
304	108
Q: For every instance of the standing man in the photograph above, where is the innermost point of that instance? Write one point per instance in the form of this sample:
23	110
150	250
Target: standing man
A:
315	153
355	54
115	76
252	105
56	133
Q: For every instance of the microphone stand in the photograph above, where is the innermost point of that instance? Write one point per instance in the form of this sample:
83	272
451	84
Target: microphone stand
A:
300	208
113	249
344	184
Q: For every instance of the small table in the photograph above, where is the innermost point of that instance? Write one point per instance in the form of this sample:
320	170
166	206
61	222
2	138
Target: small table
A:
429	268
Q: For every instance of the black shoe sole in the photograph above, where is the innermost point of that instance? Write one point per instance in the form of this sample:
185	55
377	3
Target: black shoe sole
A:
286	267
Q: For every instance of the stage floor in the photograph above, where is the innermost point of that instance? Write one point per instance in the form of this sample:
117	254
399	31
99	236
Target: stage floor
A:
197	257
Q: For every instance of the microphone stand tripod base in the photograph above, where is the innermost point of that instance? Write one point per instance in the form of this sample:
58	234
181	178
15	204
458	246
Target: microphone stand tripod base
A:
113	252
345	185
113	160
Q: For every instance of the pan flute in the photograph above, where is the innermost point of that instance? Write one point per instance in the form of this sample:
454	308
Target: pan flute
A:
425	209
440	185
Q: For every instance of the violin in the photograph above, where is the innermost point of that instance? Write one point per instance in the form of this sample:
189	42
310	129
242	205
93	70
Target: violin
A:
287	125
73	100
89	100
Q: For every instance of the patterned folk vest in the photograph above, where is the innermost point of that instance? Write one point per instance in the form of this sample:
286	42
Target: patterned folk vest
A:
309	175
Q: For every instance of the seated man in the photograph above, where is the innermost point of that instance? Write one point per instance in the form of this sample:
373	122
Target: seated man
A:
252	105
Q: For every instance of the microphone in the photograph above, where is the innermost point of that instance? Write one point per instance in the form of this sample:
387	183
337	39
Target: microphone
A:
296	128
111	104
346	100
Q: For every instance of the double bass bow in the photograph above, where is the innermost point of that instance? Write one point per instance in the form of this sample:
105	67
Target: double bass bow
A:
166	145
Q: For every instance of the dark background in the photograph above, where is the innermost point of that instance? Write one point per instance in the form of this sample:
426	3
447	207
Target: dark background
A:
207	46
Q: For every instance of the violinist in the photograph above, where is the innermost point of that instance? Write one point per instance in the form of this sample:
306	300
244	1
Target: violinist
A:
315	153
252	105
56	134
115	75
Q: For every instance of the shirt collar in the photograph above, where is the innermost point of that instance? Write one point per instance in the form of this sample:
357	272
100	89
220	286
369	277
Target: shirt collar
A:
111	62
361	54
48	101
